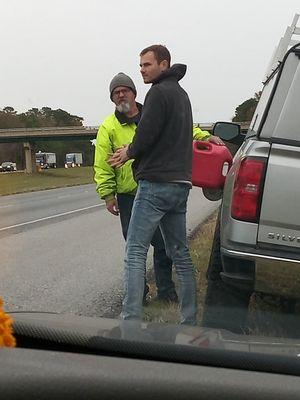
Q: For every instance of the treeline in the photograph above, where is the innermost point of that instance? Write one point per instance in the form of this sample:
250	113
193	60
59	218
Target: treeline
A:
46	117
244	112
39	118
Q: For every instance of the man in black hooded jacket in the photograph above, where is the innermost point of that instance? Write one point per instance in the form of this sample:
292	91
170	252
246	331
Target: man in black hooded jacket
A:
162	150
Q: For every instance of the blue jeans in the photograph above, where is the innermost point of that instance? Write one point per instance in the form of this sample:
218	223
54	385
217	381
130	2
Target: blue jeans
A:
162	264
163	205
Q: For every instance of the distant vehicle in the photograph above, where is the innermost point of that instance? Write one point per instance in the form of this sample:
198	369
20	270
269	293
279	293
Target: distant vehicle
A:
45	160
73	160
8	166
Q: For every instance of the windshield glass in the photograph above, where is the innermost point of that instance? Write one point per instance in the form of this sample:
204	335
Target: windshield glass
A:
135	223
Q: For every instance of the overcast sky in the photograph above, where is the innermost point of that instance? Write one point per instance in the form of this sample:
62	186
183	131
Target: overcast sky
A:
63	53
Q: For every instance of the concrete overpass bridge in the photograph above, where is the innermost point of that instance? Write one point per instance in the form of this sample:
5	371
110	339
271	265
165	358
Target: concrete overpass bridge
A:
29	137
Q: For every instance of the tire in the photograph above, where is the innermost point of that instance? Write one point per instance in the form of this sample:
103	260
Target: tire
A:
225	307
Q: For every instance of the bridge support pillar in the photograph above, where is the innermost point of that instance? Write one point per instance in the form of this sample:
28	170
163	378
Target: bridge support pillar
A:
30	166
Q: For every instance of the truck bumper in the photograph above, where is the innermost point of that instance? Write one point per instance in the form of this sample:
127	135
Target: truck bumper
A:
262	273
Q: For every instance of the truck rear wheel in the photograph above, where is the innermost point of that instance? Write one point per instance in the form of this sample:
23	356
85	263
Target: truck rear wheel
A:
225	307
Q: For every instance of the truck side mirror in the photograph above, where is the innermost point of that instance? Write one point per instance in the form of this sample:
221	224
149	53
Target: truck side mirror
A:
227	131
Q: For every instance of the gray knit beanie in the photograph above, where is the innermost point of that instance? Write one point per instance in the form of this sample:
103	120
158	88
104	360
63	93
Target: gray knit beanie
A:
121	79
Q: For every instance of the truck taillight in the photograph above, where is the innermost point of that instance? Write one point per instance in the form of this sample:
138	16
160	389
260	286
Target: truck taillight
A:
247	190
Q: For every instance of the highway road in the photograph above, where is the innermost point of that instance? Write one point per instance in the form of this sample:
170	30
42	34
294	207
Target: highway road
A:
61	251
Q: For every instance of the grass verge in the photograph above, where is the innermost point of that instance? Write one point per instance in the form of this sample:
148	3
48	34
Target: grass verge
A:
20	182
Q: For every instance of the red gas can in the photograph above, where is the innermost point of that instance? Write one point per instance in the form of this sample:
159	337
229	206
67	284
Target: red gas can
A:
211	163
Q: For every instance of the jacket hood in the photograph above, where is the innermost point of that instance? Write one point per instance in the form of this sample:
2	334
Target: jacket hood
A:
177	71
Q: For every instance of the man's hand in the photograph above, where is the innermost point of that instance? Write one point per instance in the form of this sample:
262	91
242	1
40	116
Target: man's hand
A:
119	157
112	206
216	140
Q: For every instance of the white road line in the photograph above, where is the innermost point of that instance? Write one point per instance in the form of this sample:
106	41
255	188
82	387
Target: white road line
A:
63	196
7	205
50	217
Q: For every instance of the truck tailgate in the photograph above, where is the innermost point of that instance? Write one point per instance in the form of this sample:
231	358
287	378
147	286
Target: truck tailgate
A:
279	223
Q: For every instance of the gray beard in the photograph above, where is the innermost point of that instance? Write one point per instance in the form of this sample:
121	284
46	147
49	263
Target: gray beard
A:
123	107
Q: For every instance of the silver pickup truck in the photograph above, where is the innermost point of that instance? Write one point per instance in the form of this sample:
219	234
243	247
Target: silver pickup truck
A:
257	239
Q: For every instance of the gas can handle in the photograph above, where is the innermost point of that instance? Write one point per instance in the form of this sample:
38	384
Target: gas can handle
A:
200	145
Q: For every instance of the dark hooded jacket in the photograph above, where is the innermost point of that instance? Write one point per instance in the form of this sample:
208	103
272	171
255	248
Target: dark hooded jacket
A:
162	146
